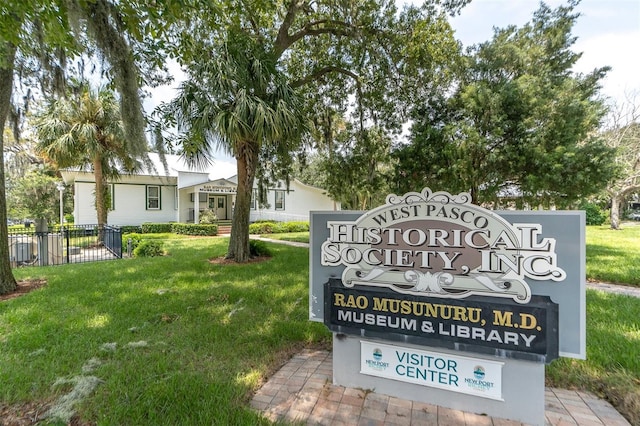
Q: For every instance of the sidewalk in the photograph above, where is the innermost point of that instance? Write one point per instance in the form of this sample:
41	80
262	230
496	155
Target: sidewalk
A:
613	288
302	391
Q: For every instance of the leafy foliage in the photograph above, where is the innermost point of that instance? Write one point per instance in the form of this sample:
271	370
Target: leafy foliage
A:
179	228
208	217
87	131
41	42
130	229
155	228
149	248
519	125
134	237
34	195
268	227
356	173
195	229
622	133
594	214
260	72
259	248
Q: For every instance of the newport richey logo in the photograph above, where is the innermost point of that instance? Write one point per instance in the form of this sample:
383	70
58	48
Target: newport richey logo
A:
479	381
478	372
377	363
440	245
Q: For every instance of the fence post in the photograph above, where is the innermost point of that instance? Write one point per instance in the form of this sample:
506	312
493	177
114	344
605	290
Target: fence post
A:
42	229
66	238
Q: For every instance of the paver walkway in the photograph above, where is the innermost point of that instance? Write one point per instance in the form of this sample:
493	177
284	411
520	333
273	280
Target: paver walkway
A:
302	391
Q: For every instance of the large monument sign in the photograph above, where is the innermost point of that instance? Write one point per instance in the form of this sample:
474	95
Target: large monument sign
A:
431	271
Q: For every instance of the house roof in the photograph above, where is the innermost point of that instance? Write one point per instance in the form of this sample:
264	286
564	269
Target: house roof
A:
215	183
215	173
175	165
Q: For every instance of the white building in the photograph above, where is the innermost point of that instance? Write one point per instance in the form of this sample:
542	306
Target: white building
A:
179	193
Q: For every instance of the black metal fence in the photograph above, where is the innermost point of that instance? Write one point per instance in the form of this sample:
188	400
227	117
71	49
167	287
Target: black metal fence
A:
71	244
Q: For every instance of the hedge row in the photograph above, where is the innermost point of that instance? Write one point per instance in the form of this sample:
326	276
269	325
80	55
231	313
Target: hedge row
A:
262	227
193	229
130	229
176	228
156	228
278	227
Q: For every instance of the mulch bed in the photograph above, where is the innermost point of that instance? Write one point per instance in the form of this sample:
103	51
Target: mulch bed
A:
225	261
24	287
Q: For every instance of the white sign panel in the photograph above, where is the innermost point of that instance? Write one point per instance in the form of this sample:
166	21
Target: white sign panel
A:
471	376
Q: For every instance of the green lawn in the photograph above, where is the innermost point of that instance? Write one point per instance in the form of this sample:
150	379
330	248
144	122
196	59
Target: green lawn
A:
182	340
172	340
614	256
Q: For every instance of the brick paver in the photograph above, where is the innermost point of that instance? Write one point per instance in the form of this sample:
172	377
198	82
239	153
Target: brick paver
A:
301	391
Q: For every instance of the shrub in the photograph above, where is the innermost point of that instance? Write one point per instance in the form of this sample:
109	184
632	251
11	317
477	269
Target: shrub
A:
193	229
156	228
297	226
258	248
594	214
149	248
208	217
270	227
261	227
135	240
130	229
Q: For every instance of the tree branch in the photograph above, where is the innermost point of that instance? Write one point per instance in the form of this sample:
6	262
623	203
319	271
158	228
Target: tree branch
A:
283	33
318	74
284	40
254	24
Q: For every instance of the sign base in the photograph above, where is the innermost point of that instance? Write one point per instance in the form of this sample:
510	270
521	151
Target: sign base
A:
522	382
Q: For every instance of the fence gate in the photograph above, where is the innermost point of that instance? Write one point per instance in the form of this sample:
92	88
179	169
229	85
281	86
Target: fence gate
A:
69	244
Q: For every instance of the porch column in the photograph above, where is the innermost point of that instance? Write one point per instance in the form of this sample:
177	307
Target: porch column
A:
196	207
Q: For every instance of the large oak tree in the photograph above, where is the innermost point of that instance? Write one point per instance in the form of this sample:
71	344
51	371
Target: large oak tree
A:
622	133
259	71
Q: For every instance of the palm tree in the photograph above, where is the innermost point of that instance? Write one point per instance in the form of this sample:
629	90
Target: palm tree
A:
86	131
239	102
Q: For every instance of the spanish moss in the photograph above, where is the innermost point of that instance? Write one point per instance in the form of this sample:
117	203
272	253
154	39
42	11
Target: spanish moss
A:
116	50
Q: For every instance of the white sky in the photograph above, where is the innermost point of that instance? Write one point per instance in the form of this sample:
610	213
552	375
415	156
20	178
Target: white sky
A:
608	34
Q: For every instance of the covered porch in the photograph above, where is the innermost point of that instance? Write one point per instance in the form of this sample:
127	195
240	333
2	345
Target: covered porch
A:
218	196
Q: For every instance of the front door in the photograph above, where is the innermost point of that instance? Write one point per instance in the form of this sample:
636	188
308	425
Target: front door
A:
218	203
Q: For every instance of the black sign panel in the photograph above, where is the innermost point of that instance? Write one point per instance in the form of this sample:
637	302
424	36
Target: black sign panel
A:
484	325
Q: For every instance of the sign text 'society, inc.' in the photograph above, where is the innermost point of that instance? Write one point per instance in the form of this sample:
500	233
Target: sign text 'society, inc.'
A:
442	246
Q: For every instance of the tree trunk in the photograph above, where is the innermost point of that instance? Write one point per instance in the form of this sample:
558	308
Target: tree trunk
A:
247	159
615	212
101	208
474	194
7	58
